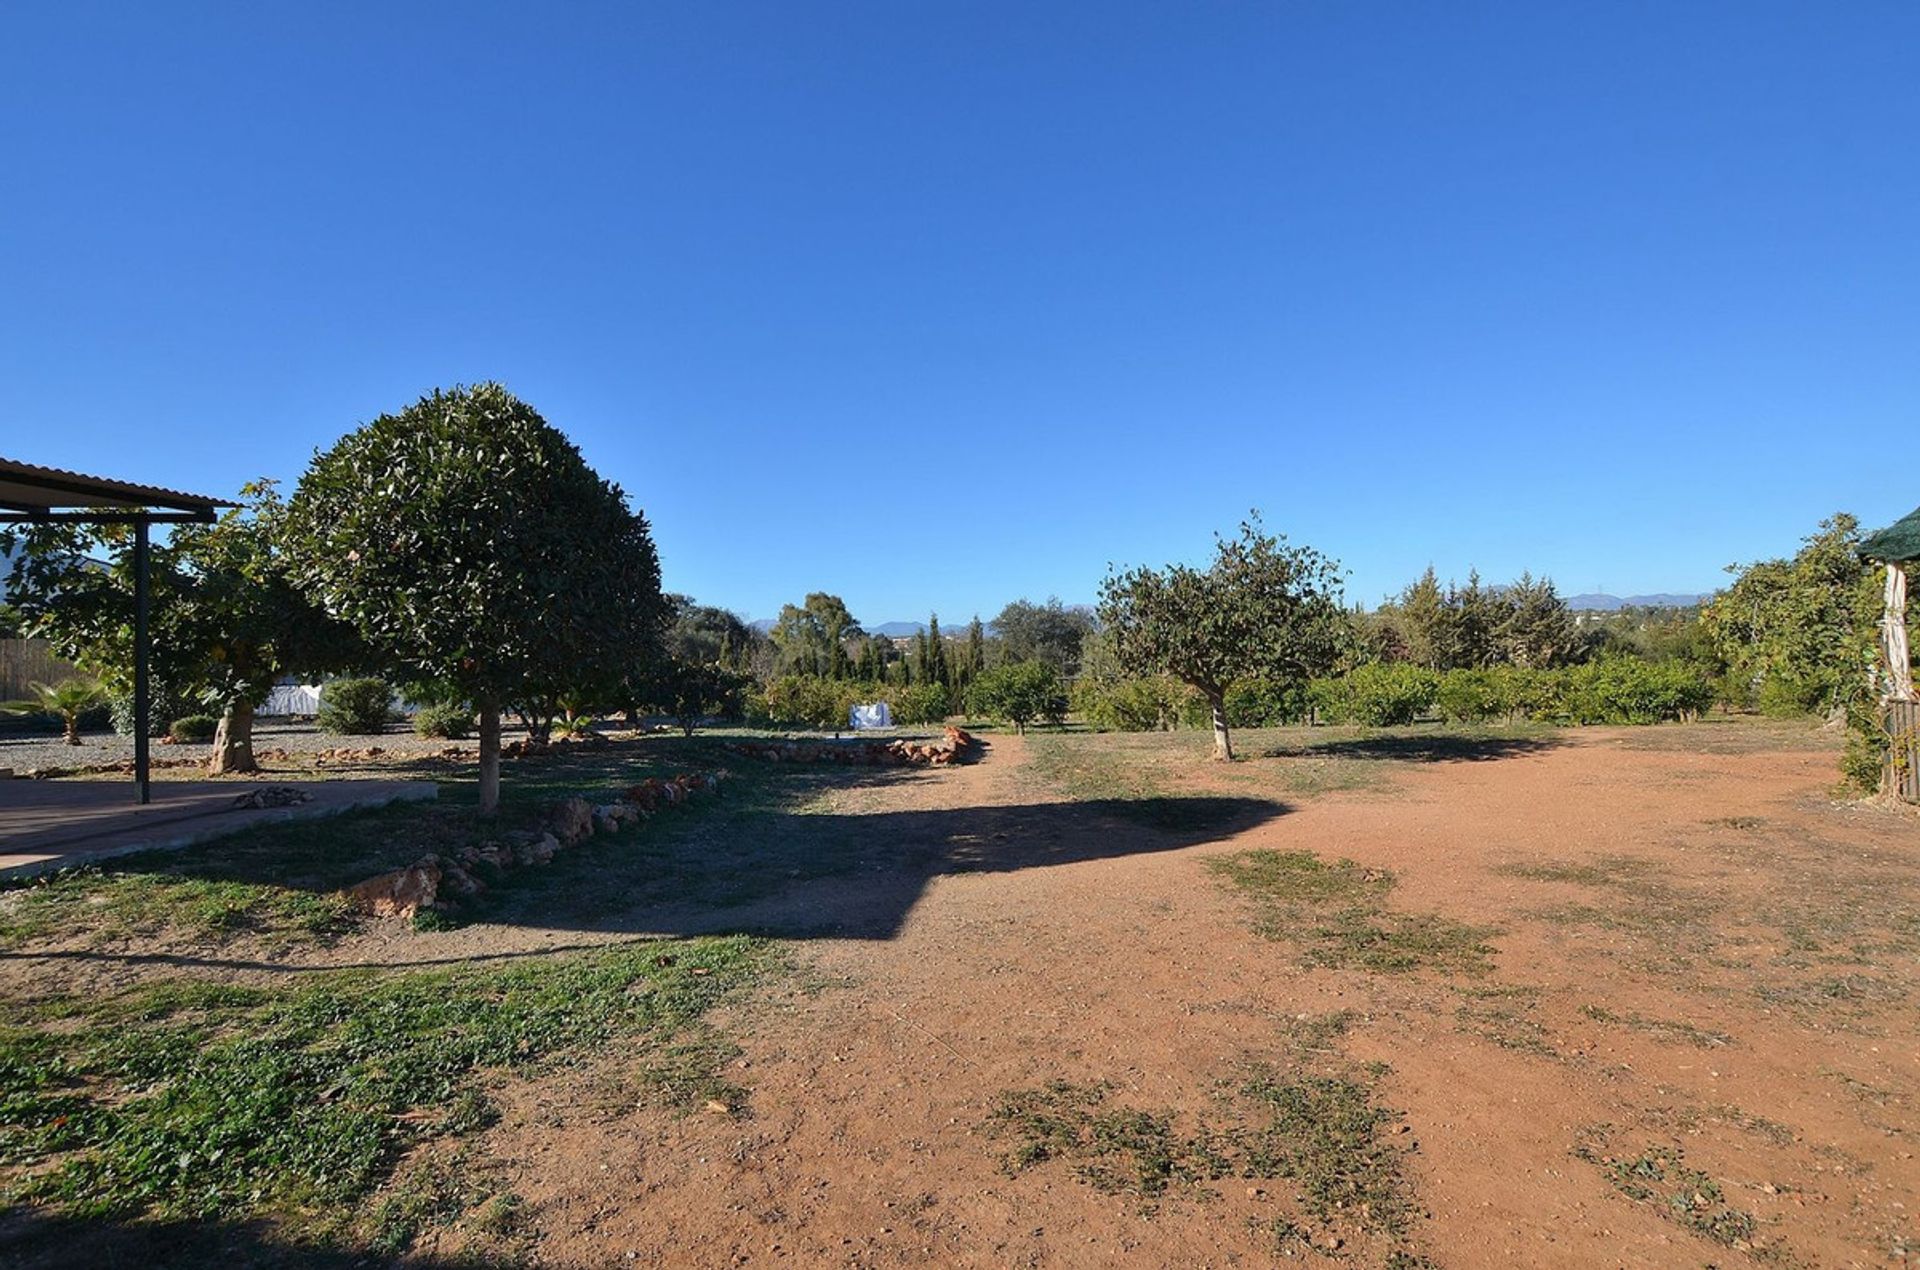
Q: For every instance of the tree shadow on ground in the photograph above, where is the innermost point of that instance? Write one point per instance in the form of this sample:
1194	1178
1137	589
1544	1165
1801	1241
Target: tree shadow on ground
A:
787	850
32	1239
1421	748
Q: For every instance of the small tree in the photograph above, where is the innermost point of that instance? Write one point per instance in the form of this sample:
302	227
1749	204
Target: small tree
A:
466	541
66	701
1264	609
1018	692
227	621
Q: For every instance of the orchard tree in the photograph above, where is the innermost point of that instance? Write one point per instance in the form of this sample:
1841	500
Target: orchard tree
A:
466	541
227	620
699	670
1018	692
1263	610
1804	630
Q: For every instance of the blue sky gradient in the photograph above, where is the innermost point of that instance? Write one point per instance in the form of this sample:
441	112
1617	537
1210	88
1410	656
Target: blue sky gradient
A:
937	306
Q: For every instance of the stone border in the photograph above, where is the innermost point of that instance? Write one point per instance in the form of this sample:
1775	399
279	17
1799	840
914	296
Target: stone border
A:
442	881
955	746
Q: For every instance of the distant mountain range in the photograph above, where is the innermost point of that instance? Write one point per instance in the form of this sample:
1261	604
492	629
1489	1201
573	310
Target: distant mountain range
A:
1597	602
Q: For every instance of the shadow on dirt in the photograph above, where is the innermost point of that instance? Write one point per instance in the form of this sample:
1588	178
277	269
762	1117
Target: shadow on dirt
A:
785	849
32	1240
1421	749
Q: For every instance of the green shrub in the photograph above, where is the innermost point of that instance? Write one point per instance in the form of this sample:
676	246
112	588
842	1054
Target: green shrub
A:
1386	694
1019	692
809	701
1864	761
1265	703
921	703
355	707
193	727
164	704
1330	700
1783	698
1628	690
1471	696
1154	703
450	722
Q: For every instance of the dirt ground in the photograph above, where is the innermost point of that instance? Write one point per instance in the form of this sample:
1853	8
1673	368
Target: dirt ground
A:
1699	1002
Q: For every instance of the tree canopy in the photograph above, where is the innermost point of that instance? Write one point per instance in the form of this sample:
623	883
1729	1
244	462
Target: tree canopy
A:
1264	609
811	637
227	619
1802	630
1049	632
466	541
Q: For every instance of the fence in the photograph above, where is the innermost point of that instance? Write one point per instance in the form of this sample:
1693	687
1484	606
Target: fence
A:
26	661
1903	752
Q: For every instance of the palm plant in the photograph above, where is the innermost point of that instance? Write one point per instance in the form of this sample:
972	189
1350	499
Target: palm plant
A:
69	699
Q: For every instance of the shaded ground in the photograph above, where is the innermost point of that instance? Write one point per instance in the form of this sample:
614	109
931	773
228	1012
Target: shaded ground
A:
1635	997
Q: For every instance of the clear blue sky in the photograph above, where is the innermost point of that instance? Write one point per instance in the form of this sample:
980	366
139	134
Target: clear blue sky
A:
940	305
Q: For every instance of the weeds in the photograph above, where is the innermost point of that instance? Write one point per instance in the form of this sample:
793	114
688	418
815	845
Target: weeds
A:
1337	915
1312	1120
1660	1178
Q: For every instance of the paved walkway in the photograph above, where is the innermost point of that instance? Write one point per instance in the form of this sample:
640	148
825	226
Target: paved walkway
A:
55	824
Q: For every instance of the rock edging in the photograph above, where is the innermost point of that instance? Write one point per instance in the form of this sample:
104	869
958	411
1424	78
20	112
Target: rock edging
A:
956	745
441	881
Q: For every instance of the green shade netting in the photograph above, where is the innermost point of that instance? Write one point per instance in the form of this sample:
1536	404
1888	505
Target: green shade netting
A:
1898	543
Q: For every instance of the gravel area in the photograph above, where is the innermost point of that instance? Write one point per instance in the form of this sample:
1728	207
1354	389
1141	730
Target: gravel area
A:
24	753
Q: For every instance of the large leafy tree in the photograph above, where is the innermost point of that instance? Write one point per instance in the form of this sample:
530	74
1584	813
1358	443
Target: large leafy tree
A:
1050	632
1264	609
467	542
227	620
811	637
1804	629
701	669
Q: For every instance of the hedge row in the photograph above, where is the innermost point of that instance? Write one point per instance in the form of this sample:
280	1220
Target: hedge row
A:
1619	690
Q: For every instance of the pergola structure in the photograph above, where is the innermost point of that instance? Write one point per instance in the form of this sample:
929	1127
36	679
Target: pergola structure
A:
1898	547
33	495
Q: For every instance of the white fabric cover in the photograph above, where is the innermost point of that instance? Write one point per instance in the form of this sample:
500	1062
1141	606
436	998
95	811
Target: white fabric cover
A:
292	699
876	715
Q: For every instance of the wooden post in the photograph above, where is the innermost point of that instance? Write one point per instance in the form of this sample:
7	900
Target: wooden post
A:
1900	711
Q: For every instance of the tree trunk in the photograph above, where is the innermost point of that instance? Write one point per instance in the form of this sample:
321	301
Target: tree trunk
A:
1222	743
489	757
233	741
73	729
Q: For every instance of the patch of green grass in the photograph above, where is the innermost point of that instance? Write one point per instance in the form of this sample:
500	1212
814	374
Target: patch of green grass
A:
445	1190
174	1104
1336	913
118	904
1113	1149
1327	1135
1668	1031
1659	1178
